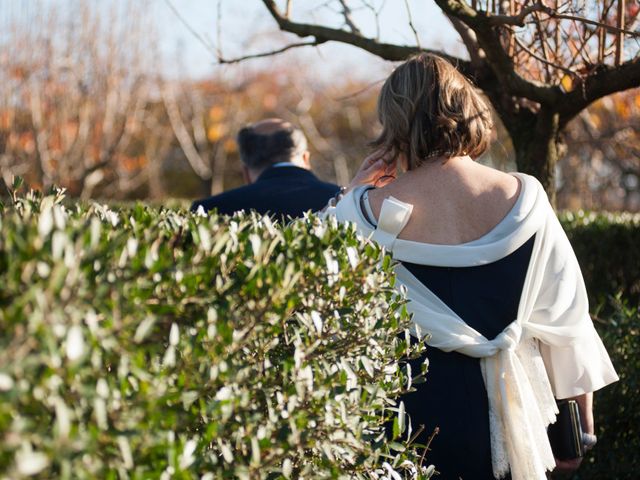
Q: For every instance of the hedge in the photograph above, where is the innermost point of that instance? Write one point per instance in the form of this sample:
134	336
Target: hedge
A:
146	343
608	248
149	343
617	406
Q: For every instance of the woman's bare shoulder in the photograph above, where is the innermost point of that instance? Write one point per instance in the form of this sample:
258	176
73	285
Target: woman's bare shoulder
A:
493	193
501	183
456	206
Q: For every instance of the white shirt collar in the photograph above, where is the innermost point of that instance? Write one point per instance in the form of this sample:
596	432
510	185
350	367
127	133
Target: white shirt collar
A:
283	164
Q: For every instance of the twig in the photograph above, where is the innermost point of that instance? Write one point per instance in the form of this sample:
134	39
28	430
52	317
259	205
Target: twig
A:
543	60
191	30
516	20
563	16
558	36
600	32
413	28
346	13
619	35
581	50
376	15
270	53
510	33
416	434
219	29
199	166
601	45
387	51
543	43
500	63
469	40
360	91
426	448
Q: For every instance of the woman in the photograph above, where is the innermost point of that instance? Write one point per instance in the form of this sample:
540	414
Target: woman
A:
490	276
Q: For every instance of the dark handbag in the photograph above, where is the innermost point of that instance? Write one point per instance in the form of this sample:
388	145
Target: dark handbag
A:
565	435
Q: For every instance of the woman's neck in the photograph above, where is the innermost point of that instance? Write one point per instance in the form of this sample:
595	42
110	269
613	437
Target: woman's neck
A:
442	164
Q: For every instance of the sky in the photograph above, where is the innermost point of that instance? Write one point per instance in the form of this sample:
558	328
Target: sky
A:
241	27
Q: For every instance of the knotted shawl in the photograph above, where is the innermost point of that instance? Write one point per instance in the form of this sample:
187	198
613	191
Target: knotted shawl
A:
553	309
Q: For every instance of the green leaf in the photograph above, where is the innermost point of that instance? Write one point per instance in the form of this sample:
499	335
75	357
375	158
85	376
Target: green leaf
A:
17	183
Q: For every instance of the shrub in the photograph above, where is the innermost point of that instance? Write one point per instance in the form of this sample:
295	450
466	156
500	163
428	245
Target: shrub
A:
147	343
606	245
617	407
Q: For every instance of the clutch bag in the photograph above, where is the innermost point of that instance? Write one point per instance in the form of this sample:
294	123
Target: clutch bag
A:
565	435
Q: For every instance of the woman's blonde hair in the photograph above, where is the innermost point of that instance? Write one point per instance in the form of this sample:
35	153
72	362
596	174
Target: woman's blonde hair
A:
428	109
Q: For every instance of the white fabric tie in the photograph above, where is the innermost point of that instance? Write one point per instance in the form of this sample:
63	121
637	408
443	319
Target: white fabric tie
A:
518	412
394	216
521	403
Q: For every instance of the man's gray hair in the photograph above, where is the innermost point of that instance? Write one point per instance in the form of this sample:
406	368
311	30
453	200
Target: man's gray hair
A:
259	150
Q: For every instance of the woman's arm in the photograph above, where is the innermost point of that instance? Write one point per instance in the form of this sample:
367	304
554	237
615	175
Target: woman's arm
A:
375	170
585	404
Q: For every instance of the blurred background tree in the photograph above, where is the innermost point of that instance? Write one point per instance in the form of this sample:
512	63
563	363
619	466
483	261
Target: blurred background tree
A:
602	165
87	102
75	99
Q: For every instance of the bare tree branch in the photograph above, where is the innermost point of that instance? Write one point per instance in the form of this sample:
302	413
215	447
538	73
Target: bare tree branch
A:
611	28
498	59
519	69
346	13
192	31
516	20
544	60
604	81
269	53
40	135
386	51
519	19
182	134
469	40
583	52
619	35
542	38
376	14
219	29
410	18
360	91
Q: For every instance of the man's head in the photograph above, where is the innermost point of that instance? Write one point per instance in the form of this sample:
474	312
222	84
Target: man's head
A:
268	142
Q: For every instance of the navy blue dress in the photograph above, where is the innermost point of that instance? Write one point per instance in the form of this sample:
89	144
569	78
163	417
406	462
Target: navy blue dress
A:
454	397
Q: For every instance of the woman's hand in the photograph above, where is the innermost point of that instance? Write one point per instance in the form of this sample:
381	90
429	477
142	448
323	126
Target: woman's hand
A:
377	169
567	466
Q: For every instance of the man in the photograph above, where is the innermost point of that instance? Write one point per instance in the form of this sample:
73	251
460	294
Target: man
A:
277	172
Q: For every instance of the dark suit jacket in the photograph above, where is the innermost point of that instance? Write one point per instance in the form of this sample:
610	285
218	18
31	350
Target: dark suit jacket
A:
280	191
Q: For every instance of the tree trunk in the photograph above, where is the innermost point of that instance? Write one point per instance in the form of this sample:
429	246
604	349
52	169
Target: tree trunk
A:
538	145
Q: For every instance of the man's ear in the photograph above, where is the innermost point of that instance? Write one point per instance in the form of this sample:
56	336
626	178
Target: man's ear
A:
306	159
246	175
402	162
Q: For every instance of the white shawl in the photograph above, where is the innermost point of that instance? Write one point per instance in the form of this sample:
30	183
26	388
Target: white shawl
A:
552	325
